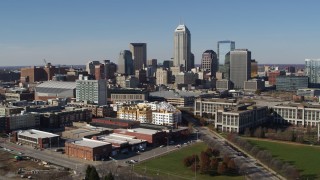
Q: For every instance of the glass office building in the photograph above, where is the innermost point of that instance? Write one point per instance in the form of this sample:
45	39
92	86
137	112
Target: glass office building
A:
312	70
223	48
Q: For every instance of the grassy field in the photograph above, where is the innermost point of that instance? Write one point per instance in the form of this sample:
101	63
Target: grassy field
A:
171	166
305	158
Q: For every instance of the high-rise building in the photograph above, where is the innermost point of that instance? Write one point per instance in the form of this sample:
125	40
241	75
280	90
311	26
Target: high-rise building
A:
209	62
312	70
254	68
139	55
152	62
125	63
91	90
240	67
109	69
90	67
182	48
223	48
99	72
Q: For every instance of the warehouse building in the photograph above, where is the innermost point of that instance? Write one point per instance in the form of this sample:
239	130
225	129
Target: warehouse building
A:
88	149
36	138
154	137
55	89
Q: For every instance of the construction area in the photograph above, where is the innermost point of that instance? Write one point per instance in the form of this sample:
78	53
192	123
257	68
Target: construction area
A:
22	167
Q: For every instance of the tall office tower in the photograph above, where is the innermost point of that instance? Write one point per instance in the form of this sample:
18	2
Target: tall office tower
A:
312	70
254	68
139	55
191	60
91	90
209	62
240	67
182	48
125	63
99	72
90	67
223	48
110	69
152	62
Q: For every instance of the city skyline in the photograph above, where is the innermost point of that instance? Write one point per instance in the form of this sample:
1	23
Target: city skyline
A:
76	32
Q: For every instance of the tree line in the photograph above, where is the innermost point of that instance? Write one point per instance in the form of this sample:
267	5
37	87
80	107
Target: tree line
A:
284	168
210	162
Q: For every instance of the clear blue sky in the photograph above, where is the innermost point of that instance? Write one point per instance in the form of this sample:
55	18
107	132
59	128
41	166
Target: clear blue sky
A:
76	31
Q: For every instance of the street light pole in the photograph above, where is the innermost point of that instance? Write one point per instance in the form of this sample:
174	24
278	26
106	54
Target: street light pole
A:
195	167
318	132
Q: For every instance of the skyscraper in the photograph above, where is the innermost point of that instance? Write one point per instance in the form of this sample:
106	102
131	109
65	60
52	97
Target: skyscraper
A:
139	55
312	70
90	67
209	62
182	48
109	69
240	67
223	48
125	63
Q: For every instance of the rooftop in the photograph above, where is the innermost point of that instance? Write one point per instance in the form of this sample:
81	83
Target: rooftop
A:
37	134
89	143
141	131
176	94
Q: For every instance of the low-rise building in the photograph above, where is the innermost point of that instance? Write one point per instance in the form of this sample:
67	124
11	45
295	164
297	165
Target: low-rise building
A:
23	121
115	123
117	95
239	118
223	84
8	111
208	107
155	137
291	83
36	138
297	114
88	149
254	85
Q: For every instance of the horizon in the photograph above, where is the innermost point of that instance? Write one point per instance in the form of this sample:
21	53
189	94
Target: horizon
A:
79	31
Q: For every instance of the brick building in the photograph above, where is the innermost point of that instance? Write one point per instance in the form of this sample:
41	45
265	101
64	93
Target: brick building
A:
115	122
88	149
154	137
37	138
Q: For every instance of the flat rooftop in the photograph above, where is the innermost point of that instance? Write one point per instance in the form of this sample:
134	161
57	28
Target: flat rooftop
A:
37	134
120	139
89	143
142	131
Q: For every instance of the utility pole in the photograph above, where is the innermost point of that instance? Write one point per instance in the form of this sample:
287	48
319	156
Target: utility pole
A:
195	170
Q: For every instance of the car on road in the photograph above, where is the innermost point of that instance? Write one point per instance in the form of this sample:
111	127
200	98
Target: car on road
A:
162	146
129	162
133	161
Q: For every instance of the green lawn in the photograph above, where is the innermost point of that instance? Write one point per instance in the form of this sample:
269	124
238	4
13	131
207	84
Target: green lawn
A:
305	158
171	165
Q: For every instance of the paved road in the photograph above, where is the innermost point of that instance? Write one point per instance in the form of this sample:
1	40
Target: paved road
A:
249	165
48	156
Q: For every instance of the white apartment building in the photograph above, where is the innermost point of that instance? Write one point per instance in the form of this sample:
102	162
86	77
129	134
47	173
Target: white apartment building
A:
92	90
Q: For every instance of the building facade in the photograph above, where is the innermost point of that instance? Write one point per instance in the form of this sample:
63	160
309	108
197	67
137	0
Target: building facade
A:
297	114
92	90
182	48
125	63
312	70
139	55
223	48
209	62
240	118
208	107
291	83
240	67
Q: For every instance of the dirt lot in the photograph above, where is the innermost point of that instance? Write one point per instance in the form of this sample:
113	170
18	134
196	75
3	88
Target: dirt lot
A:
9	168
